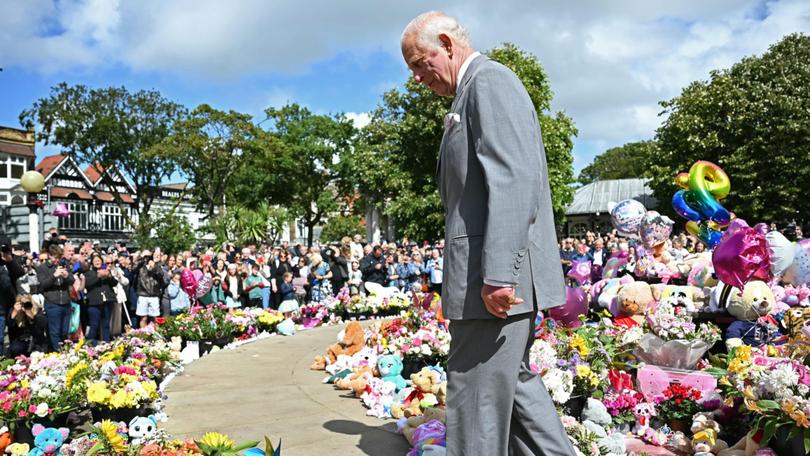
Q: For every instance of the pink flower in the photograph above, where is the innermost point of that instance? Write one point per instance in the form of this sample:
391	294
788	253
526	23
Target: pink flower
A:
22	414
32	408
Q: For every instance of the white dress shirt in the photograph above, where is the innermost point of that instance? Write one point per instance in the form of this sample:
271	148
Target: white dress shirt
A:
464	67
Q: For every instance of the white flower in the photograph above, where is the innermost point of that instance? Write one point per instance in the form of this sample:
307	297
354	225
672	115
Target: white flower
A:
560	384
42	410
632	335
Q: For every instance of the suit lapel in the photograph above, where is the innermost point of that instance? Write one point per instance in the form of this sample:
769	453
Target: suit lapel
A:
453	108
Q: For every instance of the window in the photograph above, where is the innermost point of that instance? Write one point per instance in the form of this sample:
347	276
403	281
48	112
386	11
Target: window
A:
17	200
77	220
17	169
3	199
113	220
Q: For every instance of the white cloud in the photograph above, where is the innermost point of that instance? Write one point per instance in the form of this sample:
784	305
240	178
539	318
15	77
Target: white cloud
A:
360	119
609	63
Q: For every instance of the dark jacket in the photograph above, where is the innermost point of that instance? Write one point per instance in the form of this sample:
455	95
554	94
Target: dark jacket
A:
287	291
9	273
99	289
150	282
56	290
370	273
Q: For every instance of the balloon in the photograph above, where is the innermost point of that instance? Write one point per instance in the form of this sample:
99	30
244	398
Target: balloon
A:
580	271
188	282
699	201
742	255
655	229
802	262
61	210
197	274
627	216
612	266
576	304
204	285
781	251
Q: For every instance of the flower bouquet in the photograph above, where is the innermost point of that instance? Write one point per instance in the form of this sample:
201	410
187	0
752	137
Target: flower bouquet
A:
121	392
268	320
675	341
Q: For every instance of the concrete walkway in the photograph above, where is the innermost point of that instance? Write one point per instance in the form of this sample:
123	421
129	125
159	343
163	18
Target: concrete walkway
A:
266	388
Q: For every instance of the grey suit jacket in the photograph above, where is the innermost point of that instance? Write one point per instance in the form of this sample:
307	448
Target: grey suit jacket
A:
493	181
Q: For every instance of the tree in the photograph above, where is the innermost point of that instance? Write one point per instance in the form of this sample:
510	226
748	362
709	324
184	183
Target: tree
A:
109	128
172	233
623	162
396	155
342	225
301	165
210	146
244	224
752	120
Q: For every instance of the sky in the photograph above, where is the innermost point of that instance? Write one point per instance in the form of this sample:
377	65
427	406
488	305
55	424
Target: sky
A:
610	62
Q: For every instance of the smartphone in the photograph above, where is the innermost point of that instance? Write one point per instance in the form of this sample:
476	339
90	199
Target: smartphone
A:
63	262
103	266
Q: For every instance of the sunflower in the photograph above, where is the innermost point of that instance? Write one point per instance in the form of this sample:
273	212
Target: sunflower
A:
109	432
217	441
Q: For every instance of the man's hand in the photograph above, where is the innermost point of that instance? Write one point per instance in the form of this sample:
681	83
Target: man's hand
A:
498	300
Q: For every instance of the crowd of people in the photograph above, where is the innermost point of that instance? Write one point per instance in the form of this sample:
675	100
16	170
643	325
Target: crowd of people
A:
74	290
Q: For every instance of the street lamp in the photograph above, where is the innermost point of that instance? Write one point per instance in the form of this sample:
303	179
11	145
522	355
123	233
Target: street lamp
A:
33	183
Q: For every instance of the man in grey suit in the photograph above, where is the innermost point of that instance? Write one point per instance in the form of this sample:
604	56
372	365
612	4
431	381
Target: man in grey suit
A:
501	263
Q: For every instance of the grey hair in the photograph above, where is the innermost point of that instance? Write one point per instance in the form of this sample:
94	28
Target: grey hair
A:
428	26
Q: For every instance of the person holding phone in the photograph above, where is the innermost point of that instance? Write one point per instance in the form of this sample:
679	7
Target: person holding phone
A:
27	329
100	285
55	280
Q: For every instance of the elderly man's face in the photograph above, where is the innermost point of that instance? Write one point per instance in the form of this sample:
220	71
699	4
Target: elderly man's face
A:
431	67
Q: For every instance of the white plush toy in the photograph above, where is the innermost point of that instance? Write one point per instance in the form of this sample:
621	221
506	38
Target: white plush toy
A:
379	290
141	428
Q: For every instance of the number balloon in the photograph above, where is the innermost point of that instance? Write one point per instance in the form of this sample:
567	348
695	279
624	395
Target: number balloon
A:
699	201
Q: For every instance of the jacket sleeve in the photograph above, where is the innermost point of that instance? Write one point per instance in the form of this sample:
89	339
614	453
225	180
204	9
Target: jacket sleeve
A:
508	145
45	277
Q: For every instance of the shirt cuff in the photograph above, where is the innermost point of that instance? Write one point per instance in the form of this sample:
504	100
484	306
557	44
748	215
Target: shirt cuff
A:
497	283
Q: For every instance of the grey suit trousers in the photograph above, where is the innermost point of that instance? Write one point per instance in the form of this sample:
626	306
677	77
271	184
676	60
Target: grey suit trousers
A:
495	404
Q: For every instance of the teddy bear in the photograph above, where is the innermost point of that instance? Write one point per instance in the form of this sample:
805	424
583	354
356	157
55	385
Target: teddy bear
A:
390	369
47	440
754	325
633	300
605	293
426	384
350	341
141	428
686	297
794	321
357	380
378	397
18	449
407	426
703	442
704	422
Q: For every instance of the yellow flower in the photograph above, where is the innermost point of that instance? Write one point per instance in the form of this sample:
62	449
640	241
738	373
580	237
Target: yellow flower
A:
121	399
110	432
743	353
594	379
150	387
737	365
750	400
217	440
24	383
73	371
98	393
579	344
724	381
583	371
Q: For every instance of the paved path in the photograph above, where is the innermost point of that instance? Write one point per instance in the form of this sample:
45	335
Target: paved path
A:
266	388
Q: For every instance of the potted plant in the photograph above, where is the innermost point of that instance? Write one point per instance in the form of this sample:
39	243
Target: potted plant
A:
678	405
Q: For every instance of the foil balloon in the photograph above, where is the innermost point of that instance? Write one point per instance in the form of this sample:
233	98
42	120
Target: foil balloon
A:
627	216
703	187
612	266
781	252
655	229
580	271
62	210
204	285
742	255
188	282
576	304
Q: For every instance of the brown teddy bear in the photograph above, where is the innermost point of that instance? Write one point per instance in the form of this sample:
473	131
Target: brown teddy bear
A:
634	298
430	414
352	341
357	380
426	387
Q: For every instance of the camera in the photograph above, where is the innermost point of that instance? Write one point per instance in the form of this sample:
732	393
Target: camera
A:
63	262
27	305
5	245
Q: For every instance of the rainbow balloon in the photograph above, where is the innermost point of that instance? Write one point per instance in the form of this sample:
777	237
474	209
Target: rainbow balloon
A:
703	188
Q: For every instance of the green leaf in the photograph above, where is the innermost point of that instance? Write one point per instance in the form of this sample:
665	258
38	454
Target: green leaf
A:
770	430
807	440
246	445
95	449
768	405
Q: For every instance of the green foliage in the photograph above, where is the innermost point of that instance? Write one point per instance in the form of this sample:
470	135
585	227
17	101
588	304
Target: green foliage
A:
262	223
395	156
172	233
111	127
623	162
210	147
342	225
300	165
750	119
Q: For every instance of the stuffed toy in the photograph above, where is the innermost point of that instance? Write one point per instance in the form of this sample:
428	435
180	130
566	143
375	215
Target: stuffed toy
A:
703	442
644	413
687	297
350	341
47	440
746	446
595	417
703	422
365	357
357	381
141	428
407	426
754	325
723	295
789	296
605	293
390	368
5	438
794	321
426	384
378	397
633	299
441	394
429	439
18	449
